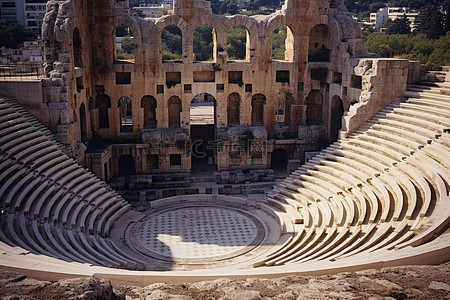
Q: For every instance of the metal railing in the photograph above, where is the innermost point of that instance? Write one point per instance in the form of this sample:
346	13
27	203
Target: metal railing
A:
28	70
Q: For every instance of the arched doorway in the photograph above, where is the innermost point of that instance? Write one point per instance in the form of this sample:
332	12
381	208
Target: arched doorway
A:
278	162
148	103
174	112
126	165
337	111
314	108
233	109
258	102
203	134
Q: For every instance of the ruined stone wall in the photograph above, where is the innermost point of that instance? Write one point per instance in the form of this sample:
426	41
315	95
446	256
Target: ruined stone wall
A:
88	85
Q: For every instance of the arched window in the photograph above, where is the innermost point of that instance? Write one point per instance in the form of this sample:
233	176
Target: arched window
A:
77	49
148	103
238	46
258	102
124	42
233	109
174	112
282	43
103	104
126	114
337	111
83	128
204	37
280	110
171	43
314	107
319	44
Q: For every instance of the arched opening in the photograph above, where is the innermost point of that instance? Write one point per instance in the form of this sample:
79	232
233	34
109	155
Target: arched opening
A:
203	134
279	162
280	110
204	36
238	46
174	112
319	44
258	102
314	108
77	49
124	42
126	165
171	44
337	111
103	104
148	103
282	43
126	114
233	109
83	128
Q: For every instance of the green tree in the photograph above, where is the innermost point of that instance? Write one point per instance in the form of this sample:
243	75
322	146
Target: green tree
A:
171	43
431	22
128	44
203	43
237	42
397	26
15	34
279	42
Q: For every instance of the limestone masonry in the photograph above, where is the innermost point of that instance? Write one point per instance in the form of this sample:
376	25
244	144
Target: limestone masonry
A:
361	144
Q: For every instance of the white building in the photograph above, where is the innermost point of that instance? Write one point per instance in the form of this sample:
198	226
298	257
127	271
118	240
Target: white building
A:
28	13
156	10
377	19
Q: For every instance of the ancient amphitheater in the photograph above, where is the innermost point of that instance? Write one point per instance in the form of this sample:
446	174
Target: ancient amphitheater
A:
378	196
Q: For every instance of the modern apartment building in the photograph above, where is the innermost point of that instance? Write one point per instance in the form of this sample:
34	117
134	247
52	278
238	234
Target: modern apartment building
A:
28	13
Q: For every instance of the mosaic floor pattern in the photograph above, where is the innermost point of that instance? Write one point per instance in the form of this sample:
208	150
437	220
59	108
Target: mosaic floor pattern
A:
197	232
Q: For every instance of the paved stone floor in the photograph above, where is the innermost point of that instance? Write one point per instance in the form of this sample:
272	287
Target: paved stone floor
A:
197	232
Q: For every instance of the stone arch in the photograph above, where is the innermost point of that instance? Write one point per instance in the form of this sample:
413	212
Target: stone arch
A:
337	111
134	27
252	31
216	22
233	109
274	23
174	112
83	122
258	102
126	114
149	104
320	43
127	165
314	108
77	47
167	21
104	104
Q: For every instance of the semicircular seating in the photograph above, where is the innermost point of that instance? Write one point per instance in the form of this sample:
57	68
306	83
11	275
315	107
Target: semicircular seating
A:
383	189
396	168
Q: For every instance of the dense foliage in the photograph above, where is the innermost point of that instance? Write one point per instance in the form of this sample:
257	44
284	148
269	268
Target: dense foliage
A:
203	43
417	47
13	35
236	42
171	43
